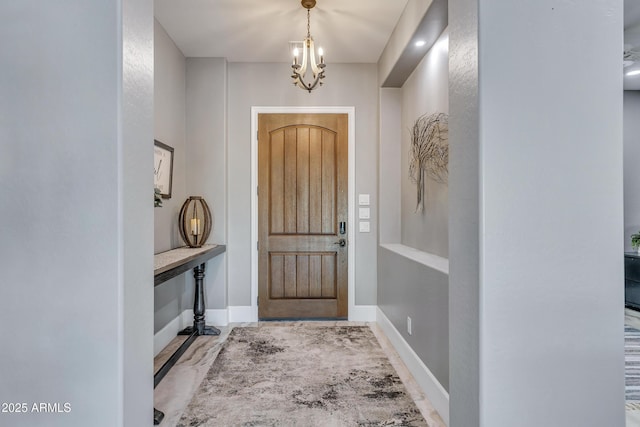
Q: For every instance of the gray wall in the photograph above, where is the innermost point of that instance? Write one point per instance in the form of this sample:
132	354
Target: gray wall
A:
389	167
76	218
631	159
425	92
408	288
268	84
464	217
537	163
136	241
206	162
190	116
170	128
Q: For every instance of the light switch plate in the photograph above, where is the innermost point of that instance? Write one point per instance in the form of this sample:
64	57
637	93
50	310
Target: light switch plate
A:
363	199
364	227
364	213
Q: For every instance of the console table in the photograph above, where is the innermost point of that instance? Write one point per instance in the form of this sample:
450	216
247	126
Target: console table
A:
632	280
168	265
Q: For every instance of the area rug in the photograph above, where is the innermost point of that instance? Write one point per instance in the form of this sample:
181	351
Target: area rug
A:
301	374
632	366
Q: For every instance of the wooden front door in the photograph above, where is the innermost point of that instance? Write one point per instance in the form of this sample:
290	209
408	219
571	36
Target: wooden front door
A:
302	216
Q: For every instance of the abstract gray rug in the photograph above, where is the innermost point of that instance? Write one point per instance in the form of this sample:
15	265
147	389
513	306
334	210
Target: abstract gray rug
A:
301	374
632	364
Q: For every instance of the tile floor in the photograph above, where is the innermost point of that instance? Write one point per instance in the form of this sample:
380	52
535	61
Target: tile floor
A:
174	392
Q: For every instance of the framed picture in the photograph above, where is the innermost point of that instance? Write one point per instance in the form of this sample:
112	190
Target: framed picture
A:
162	168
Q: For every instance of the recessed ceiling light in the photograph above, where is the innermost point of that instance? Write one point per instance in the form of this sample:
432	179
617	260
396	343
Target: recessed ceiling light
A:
420	43
633	73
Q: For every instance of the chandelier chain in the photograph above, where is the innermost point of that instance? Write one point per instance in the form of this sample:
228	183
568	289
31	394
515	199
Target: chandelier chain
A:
308	23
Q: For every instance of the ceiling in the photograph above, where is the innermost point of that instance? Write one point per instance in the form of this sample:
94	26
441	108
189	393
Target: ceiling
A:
632	40
349	31
260	30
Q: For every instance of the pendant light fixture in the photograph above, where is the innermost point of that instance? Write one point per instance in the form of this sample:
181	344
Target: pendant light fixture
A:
308	57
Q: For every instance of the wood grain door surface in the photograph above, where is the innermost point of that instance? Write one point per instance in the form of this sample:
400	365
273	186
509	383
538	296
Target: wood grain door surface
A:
302	199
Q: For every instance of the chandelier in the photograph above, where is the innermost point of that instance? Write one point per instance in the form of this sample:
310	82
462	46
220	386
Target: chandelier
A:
308	57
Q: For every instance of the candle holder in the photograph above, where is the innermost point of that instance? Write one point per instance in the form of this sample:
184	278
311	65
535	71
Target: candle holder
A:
194	221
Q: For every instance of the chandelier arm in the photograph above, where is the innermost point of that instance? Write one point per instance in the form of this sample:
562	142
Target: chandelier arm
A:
299	81
296	79
312	57
305	59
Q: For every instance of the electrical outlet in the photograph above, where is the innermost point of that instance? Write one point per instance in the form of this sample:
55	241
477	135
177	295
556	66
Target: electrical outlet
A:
409	331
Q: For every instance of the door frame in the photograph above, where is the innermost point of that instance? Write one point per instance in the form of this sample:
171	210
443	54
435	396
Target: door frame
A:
351	196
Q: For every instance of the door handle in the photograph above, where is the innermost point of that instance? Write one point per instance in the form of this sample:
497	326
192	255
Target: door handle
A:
341	242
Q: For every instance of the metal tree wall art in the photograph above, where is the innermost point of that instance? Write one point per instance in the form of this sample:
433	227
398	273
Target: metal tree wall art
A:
429	152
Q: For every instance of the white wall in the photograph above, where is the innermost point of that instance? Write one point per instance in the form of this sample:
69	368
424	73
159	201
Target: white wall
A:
76	218
268	84
425	92
545	161
170	128
631	160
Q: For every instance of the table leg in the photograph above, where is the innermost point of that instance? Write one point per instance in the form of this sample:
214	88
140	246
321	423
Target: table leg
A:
199	307
157	417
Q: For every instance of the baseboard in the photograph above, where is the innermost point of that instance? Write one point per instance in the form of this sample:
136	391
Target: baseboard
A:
164	336
357	313
363	313
433	390
214	317
242	314
217	317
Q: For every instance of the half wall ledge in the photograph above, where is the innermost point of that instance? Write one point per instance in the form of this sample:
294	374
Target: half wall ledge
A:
433	261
